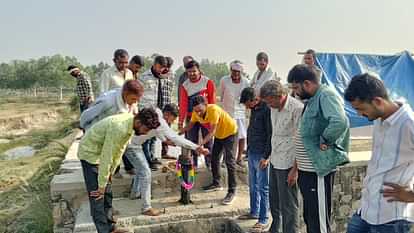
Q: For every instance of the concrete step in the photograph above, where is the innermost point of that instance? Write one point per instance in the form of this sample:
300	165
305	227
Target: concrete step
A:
206	206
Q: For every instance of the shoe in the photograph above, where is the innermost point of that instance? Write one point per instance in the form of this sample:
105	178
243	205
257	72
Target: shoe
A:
134	195
154	167
156	161
212	188
165	156
151	212
258	227
229	198
247	217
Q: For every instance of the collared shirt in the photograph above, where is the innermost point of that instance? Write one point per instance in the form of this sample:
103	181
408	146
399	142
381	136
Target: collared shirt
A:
151	85
392	161
111	78
230	96
226	126
84	87
109	103
105	143
259	78
284	123
259	132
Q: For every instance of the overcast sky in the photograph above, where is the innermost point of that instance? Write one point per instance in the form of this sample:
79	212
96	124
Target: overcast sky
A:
221	30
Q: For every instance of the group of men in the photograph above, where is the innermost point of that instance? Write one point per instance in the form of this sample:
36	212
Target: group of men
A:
296	135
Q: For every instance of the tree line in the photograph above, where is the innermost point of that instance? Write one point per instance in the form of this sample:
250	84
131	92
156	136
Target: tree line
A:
51	72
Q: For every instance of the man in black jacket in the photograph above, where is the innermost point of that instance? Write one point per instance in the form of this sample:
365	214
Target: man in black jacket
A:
259	134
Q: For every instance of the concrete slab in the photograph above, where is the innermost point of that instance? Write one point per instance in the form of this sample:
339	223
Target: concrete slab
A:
360	156
362	132
206	205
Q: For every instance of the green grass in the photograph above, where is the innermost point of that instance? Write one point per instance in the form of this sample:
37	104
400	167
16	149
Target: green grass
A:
25	204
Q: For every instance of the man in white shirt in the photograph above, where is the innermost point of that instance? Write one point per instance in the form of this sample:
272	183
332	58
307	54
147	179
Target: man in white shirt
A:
309	58
158	92
392	158
135	155
263	74
231	88
285	115
115	76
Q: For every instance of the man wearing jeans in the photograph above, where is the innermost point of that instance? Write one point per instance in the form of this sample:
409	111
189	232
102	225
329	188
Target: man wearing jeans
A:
285	115
136	156
392	160
100	152
259	135
224	129
324	134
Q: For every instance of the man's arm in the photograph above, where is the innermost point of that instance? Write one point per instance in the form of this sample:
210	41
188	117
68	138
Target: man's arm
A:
211	90
92	113
397	192
222	89
111	149
210	135
333	111
104	83
183	106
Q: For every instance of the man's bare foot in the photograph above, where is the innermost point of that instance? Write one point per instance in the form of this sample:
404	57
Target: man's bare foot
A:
151	212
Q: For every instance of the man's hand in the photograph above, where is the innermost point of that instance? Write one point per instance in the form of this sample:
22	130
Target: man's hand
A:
97	194
263	163
202	150
397	192
292	176
323	147
181	130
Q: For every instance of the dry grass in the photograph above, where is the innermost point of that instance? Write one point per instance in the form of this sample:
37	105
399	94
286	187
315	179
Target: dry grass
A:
24	183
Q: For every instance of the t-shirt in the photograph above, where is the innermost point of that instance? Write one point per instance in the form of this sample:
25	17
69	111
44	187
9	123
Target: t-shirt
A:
230	96
226	126
302	158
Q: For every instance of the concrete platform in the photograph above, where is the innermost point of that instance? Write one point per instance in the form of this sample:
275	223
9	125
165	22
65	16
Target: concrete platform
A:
206	206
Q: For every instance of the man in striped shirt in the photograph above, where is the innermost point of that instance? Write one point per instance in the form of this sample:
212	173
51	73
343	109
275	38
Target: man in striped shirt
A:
392	158
324	135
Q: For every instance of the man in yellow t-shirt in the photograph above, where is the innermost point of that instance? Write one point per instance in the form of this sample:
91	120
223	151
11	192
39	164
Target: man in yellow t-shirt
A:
224	129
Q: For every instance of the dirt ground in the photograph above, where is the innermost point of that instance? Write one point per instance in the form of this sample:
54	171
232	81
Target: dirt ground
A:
48	126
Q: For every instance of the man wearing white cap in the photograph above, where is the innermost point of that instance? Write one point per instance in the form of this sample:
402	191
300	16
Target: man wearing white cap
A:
231	88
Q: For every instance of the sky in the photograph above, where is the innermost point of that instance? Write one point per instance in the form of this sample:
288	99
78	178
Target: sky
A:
220	30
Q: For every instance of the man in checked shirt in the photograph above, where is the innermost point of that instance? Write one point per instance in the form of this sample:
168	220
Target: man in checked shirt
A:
83	87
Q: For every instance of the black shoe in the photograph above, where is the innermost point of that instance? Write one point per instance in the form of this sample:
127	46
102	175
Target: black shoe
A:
156	161
229	198
154	167
212	188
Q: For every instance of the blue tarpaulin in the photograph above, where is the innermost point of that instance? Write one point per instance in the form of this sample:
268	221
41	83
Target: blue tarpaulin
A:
397	72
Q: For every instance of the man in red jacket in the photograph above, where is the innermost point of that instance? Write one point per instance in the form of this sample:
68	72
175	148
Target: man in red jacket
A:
196	85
